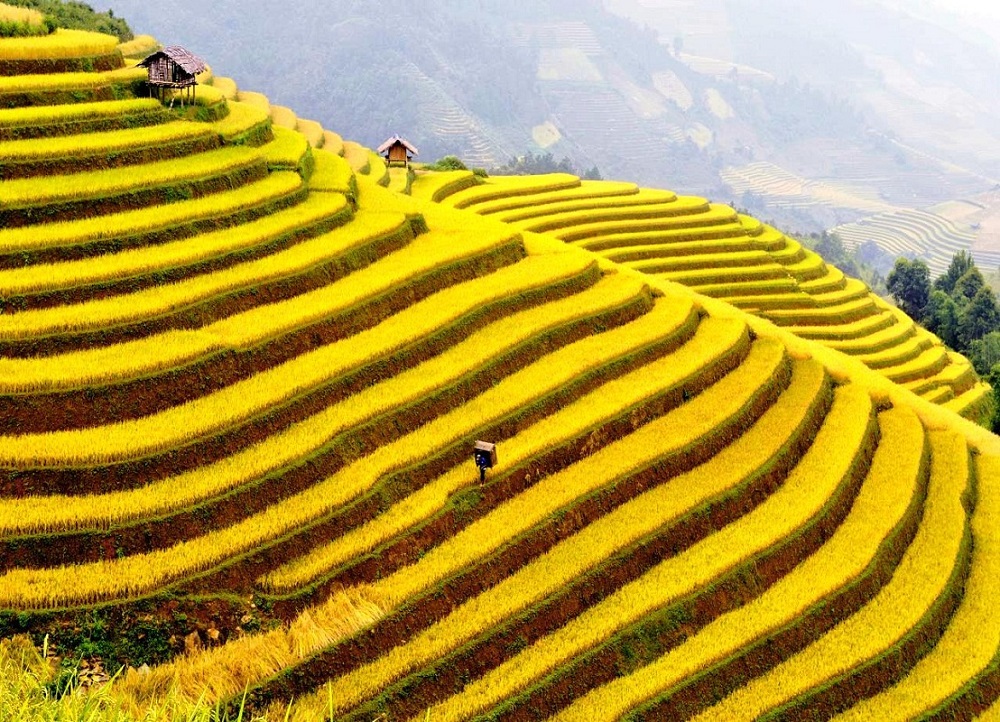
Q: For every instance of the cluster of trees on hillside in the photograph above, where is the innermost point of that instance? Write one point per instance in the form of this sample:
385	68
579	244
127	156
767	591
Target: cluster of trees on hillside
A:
532	164
78	16
857	264
959	306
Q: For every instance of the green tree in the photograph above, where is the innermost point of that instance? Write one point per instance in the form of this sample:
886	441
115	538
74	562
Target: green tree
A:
967	286
831	248
980	317
941	317
79	16
994	380
910	284
984	353
961	263
449	162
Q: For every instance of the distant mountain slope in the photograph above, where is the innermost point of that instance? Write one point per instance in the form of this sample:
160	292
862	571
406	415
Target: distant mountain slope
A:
490	80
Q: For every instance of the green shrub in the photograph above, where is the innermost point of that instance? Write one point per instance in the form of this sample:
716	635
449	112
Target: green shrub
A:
449	162
76	16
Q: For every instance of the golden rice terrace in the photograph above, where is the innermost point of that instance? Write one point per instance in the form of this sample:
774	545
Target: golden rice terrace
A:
242	374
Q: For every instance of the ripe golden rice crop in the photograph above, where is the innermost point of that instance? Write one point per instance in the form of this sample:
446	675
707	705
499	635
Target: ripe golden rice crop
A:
502	187
923	574
148	259
846	331
283	117
583	230
642	197
378	169
803	495
900	354
62	43
160	300
241	119
839	315
557	222
587	190
55	114
174	425
13	14
312	130
704	261
489	533
147	220
333	143
53	81
717	276
143	573
247	329
357	156
258	100
95	184
575	418
548	573
631	254
45	513
332	174
972	639
139	45
226	86
110	141
287	149
669	580
967	403
928	363
430	186
218	673
684	427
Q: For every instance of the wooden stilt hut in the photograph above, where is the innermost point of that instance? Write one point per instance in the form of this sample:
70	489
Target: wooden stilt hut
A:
398	151
173	68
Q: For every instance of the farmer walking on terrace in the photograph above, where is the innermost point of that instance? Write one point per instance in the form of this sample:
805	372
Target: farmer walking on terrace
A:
485	456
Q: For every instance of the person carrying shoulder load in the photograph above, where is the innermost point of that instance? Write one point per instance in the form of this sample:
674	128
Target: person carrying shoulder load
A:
485	456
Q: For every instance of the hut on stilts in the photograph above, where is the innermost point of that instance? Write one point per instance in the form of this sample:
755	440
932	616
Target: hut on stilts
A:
398	151
173	69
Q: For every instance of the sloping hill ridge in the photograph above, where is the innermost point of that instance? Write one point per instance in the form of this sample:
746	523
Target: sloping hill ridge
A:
241	383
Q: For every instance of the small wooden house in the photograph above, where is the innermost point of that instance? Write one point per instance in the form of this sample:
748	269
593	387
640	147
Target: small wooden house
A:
173	68
398	151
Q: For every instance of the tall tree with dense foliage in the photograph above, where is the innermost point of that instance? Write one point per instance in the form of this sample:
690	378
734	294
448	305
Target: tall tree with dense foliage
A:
984	353
910	284
961	263
968	286
941	317
980	317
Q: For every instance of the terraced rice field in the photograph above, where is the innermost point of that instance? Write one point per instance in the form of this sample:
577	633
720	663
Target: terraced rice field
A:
238	402
783	189
715	251
919	234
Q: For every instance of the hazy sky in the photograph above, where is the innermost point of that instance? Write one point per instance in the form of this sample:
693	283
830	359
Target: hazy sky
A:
971	9
988	8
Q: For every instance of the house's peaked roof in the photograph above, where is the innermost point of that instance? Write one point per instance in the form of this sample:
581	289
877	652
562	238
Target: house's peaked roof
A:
186	59
396	139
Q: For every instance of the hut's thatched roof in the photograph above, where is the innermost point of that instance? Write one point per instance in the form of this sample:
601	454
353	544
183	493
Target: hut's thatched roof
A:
184	58
402	141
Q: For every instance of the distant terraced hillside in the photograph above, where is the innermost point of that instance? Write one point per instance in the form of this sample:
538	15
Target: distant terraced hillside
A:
241	379
717	252
918	234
